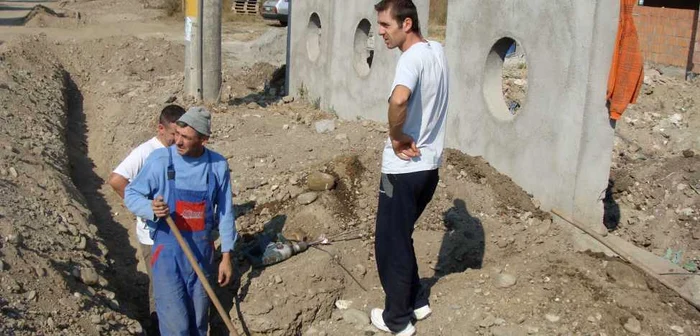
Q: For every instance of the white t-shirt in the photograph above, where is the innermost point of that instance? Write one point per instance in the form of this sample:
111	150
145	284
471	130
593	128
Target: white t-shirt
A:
423	70
129	168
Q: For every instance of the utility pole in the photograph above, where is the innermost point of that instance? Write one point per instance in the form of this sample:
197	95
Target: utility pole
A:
203	50
211	51
193	59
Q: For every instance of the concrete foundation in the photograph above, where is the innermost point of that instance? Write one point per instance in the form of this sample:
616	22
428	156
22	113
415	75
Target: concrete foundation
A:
344	66
558	147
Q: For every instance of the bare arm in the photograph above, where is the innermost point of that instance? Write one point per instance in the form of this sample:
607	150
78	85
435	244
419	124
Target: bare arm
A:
118	183
404	146
398	108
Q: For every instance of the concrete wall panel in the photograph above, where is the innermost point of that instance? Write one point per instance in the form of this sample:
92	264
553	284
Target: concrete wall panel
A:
359	90
539	148
341	77
310	48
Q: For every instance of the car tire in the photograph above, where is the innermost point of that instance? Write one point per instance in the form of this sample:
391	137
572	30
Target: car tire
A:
283	23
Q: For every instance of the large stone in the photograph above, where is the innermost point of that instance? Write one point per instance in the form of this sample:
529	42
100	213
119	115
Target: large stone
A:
508	331
89	276
692	286
325	126
356	317
505	280
625	275
632	325
320	181
307	198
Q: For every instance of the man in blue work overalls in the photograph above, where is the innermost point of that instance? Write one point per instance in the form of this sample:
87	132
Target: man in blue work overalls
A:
192	184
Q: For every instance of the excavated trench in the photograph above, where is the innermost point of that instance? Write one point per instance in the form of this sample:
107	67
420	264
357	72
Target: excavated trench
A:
130	284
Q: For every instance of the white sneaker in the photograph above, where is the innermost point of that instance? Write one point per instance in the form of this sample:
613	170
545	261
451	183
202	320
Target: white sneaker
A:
422	313
378	322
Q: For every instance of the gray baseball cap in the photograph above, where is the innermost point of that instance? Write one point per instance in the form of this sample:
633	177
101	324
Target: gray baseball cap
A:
199	118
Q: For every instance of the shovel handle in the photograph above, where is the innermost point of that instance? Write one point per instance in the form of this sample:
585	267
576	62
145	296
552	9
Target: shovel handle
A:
202	278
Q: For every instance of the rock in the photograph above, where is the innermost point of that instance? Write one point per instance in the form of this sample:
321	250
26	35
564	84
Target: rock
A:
488	321
688	153
170	99
50	323
685	212
252	105
325	126
89	276
285	127
109	295
677	329
508	331
320	181
625	275
14	238
692	286
82	244
13	172
504	280
552	318
360	269
544	227
525	216
532	330
136	329
2	266
343	304
632	325
31	295
356	317
307	198
95	319
342	137
278	279
288	99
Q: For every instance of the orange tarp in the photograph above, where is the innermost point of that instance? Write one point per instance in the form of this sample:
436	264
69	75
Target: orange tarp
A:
627	70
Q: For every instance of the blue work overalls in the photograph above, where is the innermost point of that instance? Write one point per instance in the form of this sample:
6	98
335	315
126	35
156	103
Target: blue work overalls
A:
181	301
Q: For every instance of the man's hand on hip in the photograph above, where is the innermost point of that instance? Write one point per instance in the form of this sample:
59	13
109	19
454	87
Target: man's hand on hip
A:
160	208
404	147
225	269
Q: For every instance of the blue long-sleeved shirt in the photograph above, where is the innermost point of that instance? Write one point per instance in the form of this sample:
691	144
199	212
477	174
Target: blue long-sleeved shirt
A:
191	174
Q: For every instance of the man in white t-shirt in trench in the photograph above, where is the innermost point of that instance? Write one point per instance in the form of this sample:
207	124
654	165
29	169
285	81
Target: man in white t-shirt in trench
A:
127	171
410	162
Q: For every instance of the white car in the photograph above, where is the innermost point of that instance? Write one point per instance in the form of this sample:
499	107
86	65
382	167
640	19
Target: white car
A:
275	10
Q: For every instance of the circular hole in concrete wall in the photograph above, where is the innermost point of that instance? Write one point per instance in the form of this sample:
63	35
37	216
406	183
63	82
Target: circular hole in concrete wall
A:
363	51
313	37
506	82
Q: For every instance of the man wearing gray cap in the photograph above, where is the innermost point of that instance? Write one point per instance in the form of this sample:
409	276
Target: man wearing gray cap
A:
192	184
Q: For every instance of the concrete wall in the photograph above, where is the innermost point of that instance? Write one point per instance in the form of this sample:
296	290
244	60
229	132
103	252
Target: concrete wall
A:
558	146
341	79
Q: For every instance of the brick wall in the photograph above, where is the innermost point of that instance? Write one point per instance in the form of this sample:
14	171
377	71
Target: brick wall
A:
665	35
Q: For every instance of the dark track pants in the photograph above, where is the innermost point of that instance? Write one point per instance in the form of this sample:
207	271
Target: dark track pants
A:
402	199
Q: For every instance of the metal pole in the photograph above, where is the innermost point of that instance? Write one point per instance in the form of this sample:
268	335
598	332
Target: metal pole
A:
200	50
192	48
288	49
211	51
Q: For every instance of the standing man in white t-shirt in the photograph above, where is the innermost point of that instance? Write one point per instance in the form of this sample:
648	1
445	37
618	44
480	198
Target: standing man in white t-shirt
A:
130	167
410	162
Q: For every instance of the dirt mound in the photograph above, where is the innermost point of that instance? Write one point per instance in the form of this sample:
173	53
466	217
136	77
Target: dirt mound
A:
54	261
42	17
654	194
